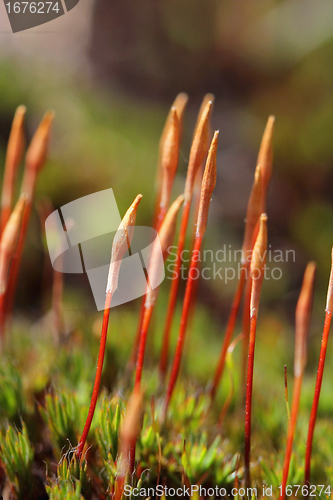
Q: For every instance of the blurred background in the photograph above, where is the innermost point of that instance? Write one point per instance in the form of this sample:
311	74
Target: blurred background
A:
110	71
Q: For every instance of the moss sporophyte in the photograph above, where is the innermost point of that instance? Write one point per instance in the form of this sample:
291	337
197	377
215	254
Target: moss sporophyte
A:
142	427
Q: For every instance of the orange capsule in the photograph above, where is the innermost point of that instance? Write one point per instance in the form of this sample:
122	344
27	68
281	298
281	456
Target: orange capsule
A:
121	243
207	187
258	263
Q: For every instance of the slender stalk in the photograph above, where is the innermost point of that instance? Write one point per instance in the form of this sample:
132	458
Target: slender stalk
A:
229	331
8	244
127	442
257	275
167	167
303	315
246	311
256	206
291	433
248	403
314	409
13	159
183	325
198	153
35	159
166	236
320	373
196	203
121	244
148	311
98	376
136	343
286	396
173	293
208	185
246	332
195	291
252	218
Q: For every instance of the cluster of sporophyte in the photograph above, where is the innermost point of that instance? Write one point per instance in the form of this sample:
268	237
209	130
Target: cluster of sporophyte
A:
147	432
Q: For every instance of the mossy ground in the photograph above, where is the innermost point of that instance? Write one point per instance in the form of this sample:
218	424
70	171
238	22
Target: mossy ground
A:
46	384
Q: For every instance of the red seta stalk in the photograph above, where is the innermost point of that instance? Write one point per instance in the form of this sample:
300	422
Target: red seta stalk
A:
127	442
8	244
250	235
286	396
166	170
198	153
320	373
246	332
98	376
314	409
229	331
166	236
257	275
207	188
183	323
291	433
256	206
248	402
173	293
35	160
303	316
148	311
121	244
246	312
